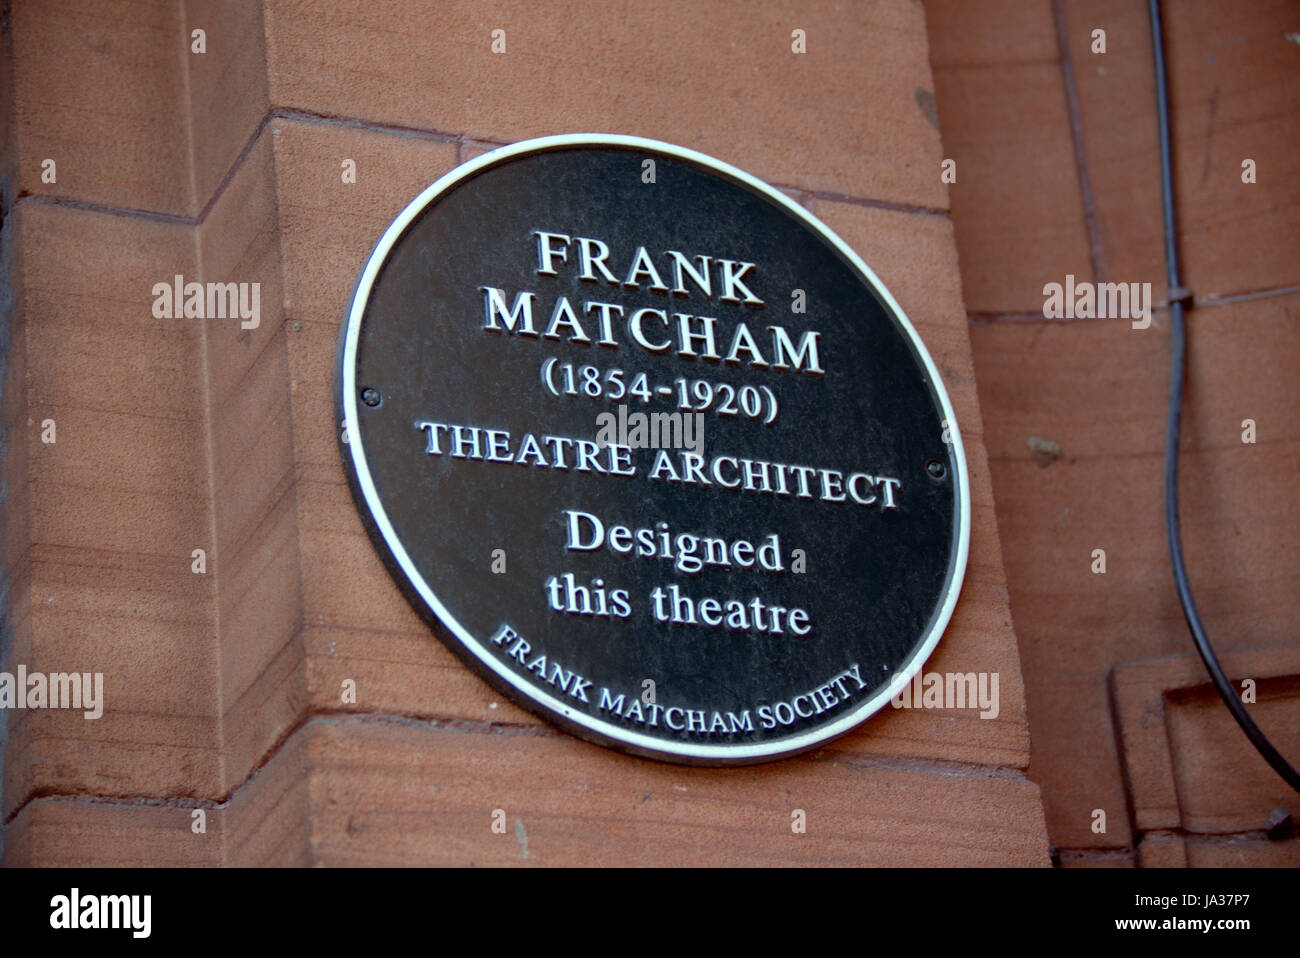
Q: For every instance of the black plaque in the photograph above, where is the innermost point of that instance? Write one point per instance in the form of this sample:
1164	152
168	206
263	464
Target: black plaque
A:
752	572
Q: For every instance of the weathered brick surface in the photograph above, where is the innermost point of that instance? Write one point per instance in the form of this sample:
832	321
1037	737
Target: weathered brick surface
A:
227	87
259	607
1241	853
718	77
1017	205
364	792
100	89
113	509
264	823
1183	762
390	794
1098	388
1235	86
1105	492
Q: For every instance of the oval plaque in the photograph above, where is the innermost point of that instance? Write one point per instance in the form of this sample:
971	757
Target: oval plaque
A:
652	450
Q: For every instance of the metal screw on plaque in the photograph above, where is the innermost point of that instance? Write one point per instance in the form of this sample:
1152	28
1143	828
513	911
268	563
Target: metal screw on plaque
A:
936	469
370	396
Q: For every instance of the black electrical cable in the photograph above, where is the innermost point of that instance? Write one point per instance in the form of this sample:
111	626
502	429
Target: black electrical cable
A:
1178	297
